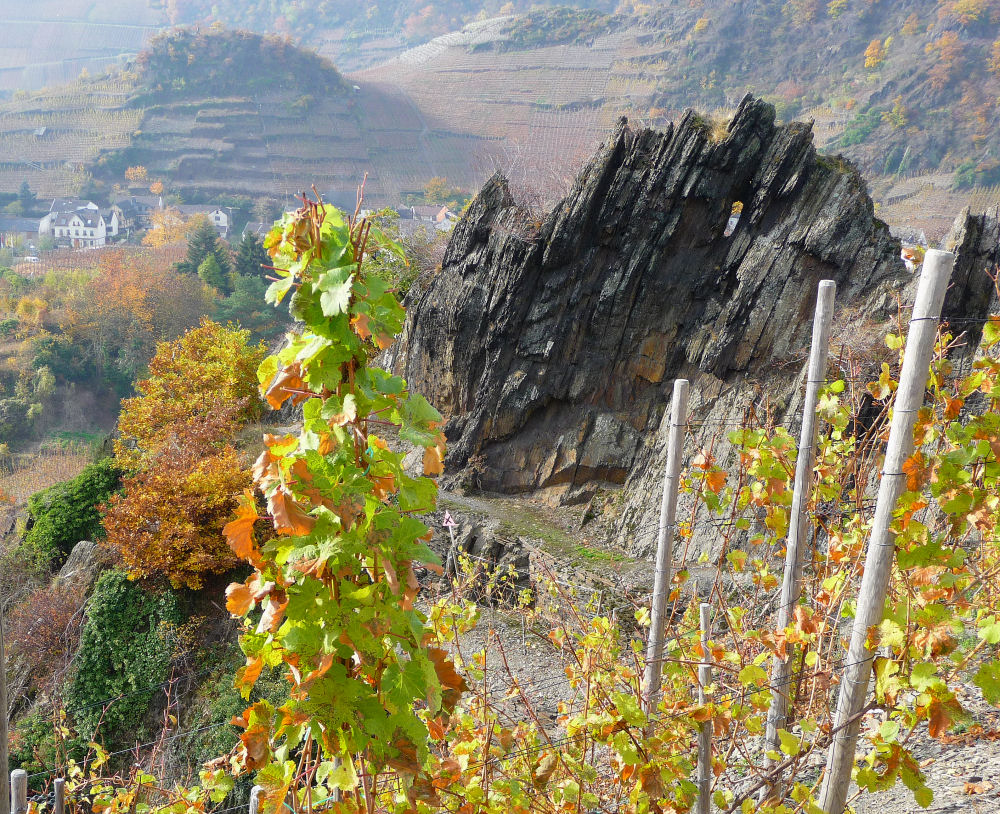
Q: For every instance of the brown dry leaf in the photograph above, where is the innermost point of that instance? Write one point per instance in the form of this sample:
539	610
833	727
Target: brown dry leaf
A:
405	761
544	770
289	517
435	729
256	746
287	384
803	620
239	600
938	719
239	532
978	788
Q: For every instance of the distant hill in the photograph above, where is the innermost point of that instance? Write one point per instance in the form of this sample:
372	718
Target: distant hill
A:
909	90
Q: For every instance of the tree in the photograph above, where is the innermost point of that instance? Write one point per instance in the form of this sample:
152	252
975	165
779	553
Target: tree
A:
875	54
250	256
136	174
169	520
212	274
245	307
203	240
209	370
26	197
168	227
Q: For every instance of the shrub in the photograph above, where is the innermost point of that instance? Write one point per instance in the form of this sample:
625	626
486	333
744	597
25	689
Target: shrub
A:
65	514
125	648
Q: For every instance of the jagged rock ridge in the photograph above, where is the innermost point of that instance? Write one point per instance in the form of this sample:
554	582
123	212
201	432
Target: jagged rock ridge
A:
552	345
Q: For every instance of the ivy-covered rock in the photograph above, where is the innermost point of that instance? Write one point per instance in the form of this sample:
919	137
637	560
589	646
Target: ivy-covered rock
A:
125	651
64	514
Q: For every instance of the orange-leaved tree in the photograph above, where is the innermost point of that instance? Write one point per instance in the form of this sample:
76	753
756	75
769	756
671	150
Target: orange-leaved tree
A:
184	477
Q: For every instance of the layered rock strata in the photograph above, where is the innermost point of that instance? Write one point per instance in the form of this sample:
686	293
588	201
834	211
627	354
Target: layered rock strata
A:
551	344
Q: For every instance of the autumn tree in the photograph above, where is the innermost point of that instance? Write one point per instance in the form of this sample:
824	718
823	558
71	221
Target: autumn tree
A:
185	477
946	52
136	174
209	368
875	53
170	518
168	227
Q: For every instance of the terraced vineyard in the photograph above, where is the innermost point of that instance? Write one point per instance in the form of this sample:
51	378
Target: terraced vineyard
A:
49	137
50	42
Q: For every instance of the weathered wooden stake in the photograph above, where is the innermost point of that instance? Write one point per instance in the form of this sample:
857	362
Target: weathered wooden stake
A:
59	786
4	727
18	791
255	794
882	545
664	547
798	520
705	727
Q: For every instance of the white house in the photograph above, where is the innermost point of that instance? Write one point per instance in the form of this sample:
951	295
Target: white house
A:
218	215
75	223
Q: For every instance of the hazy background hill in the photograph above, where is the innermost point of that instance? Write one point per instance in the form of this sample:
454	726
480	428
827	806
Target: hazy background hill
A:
907	89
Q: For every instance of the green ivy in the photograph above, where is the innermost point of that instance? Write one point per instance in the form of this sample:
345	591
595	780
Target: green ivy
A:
64	514
125	650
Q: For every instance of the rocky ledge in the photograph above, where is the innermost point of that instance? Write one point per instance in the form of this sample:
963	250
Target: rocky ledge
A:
551	344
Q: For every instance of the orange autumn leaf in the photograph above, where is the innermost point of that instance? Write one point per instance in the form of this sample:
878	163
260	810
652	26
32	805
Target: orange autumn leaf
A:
916	471
953	406
286	384
239	532
432	461
289	517
715	480
239	601
248	674
360	325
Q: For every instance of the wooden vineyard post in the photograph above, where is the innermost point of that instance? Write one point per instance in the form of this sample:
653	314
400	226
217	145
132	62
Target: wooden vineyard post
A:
255	795
881	547
59	787
18	791
664	548
5	789
705	727
798	520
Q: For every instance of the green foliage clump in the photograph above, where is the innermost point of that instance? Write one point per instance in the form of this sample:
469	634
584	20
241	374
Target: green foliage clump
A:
860	128
204	242
125	648
64	357
64	514
35	748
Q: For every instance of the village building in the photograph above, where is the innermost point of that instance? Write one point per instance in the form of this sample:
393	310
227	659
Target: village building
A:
18	233
77	224
220	216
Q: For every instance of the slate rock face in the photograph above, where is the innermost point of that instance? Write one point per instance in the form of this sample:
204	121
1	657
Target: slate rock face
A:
551	345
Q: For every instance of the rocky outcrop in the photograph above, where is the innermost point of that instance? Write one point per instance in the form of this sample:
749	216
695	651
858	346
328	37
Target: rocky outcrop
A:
551	345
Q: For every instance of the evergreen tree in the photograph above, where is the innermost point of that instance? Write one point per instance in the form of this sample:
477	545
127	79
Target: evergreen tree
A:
214	275
203	241
250	256
26	197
